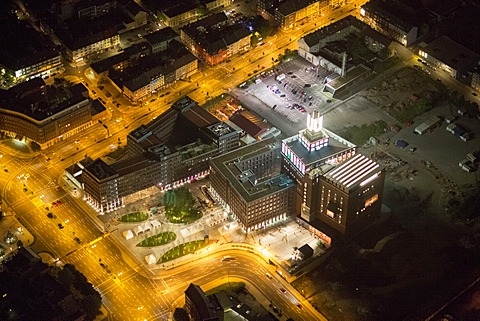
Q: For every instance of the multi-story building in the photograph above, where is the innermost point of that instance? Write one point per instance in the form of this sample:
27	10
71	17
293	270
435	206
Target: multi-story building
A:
201	307
147	74
47	114
337	188
393	20
171	150
214	39
159	40
249	184
214	4
81	46
180	14
449	56
332	189
289	12
28	54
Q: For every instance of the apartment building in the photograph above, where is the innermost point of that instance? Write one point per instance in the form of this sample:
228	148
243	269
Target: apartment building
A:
214	39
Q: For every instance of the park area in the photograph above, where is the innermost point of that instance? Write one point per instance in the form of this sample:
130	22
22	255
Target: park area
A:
158	239
180	206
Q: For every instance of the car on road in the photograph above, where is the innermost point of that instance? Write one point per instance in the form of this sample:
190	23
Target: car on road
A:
307	85
228	258
300	306
283	290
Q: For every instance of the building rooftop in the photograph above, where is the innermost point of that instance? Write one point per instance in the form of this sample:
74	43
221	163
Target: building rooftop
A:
291	6
199	116
38	101
250	122
451	53
394	13
161	35
317	36
22	46
355	171
244	181
179	8
214	33
100	169
317	156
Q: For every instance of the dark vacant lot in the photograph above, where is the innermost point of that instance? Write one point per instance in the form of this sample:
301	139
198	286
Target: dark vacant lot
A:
396	273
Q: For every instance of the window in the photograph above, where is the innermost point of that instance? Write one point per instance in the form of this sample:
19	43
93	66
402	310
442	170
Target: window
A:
371	200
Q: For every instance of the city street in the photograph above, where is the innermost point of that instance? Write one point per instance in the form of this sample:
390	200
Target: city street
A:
31	183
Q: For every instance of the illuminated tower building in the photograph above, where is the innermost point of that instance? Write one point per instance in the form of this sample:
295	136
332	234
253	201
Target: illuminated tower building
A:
338	191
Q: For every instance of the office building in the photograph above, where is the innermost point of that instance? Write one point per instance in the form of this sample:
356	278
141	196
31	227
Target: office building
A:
170	151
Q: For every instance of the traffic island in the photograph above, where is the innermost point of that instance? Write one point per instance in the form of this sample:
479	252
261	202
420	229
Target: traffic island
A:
181	250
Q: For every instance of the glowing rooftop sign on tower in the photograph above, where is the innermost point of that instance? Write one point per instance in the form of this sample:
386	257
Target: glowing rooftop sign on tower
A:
315	122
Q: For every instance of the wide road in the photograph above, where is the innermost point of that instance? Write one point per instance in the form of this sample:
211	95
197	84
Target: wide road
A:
30	184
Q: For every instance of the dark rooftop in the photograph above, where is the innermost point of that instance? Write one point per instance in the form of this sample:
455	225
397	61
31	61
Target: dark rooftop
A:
22	46
214	34
38	101
100	169
161	35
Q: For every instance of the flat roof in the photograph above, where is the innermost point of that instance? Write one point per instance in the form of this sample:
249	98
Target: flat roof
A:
99	169
357	170
311	157
451	53
245	182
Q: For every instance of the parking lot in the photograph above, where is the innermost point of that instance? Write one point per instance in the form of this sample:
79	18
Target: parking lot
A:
293	91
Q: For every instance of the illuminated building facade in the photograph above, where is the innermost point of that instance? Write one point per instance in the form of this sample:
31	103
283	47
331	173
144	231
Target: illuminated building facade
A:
449	56
338	190
248	182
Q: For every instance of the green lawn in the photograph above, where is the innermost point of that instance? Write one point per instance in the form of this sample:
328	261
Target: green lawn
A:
159	239
359	135
174	215
134	217
181	250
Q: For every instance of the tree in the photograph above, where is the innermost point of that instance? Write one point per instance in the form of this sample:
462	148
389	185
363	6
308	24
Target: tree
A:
35	146
180	315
